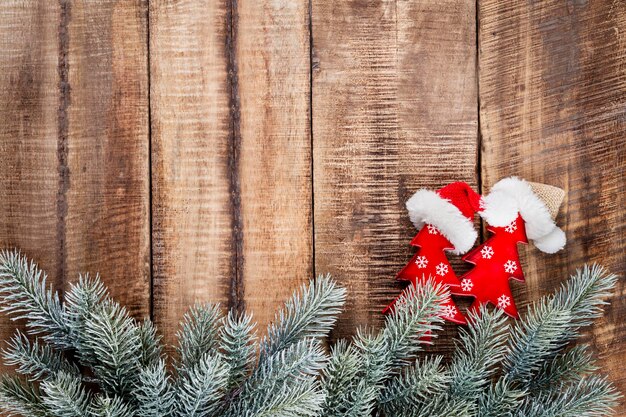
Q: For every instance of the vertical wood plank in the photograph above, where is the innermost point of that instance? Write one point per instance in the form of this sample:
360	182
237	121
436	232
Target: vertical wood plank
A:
275	167
553	109
231	155
394	110
107	223
29	177
74	191
193	249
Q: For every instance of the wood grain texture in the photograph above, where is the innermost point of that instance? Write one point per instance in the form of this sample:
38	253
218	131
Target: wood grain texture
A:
29	87
231	155
553	109
194	254
272	48
74	177
394	110
107	224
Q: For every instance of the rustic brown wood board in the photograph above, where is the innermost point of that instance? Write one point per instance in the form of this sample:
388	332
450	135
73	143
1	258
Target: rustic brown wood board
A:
203	150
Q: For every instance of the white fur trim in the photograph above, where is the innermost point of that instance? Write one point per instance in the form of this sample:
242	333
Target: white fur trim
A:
426	206
552	242
537	219
500	209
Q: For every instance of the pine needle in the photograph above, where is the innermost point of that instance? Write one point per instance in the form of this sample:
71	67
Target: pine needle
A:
154	393
237	346
24	295
86	356
555	320
310	313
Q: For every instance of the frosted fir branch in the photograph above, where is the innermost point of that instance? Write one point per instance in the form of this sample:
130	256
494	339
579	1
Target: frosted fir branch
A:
200	390
21	398
36	360
362	402
417	313
237	346
499	399
375	360
380	356
590	397
111	347
24	294
155	395
374	375
375	356
585	294
82	298
440	406
198	335
64	396
301	400
103	406
339	379
479	351
564	368
310	313
283	384
414	386
555	320
150	341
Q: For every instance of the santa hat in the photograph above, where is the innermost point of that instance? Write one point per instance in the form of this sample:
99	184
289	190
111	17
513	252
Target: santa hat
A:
538	204
451	210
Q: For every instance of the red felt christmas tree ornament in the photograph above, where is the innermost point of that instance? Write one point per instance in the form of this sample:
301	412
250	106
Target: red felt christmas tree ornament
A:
515	211
444	220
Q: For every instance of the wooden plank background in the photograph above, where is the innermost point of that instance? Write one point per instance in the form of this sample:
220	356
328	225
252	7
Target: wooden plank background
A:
229	150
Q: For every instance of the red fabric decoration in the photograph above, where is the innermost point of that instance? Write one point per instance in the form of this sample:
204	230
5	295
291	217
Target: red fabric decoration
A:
495	262
451	210
431	260
444	219
463	197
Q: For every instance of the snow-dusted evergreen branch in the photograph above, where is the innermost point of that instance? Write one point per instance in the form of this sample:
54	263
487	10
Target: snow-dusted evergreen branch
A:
200	389
417	314
311	312
284	384
82	299
64	396
590	397
154	393
104	406
379	356
25	295
199	334
85	356
237	346
567	367
499	399
440	406
111	347
555	320
414	386
479	352
36	360
21	398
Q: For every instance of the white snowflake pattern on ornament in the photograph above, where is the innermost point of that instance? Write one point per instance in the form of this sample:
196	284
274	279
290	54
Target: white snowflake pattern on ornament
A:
504	301
486	252
510	266
421	262
442	269
467	284
511	227
449	311
432	229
